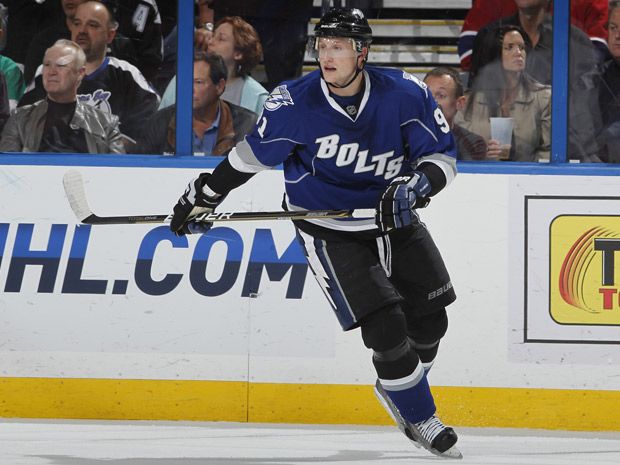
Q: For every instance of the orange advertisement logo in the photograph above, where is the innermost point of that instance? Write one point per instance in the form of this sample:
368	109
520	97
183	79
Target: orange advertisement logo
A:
585	270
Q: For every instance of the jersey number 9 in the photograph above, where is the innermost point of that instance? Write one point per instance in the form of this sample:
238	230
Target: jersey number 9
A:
441	121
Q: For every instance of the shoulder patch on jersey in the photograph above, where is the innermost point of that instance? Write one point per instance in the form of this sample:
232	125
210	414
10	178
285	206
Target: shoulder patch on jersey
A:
412	78
278	97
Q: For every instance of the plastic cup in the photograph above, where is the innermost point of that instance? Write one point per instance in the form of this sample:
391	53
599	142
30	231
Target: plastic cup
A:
501	131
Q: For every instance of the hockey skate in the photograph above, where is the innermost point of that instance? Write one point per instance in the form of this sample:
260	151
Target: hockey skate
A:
430	433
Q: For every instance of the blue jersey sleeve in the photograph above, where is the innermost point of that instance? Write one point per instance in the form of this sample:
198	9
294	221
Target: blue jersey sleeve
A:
276	134
424	125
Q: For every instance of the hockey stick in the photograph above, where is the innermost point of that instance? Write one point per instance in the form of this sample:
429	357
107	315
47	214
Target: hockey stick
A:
76	194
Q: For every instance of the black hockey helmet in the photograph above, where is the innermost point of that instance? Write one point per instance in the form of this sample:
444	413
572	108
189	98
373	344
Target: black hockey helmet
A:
345	22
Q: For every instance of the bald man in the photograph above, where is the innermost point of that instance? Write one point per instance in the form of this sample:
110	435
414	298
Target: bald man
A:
60	123
114	86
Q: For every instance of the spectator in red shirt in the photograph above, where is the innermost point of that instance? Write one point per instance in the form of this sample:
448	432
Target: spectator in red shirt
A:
588	15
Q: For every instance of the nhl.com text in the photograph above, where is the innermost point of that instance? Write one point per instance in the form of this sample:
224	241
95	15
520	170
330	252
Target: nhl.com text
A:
61	263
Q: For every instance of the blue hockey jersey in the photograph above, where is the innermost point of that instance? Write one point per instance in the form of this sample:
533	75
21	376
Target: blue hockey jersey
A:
336	161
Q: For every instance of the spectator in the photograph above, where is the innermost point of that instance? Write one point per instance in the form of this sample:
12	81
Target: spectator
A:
202	35
588	15
447	89
140	22
282	26
121	46
503	88
60	122
168	10
59	29
5	109
13	77
168	68
584	120
609	90
204	24
25	19
110	84
217	125
237	42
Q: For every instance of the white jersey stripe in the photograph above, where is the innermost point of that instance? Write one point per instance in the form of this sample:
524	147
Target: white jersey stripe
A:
242	159
445	162
135	73
406	382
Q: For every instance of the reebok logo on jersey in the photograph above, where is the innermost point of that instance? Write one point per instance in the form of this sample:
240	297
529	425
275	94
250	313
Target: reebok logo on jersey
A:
278	97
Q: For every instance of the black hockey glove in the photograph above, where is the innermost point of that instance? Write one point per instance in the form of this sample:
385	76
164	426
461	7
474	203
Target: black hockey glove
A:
197	199
403	195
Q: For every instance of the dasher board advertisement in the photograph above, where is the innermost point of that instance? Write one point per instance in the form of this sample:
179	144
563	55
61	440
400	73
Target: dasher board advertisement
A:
572	270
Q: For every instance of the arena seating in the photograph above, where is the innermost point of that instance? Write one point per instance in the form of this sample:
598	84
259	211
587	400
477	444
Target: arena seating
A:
415	35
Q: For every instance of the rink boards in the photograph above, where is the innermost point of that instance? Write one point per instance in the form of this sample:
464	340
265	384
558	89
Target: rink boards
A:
132	322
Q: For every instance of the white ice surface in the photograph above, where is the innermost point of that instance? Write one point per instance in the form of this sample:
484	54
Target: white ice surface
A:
55	442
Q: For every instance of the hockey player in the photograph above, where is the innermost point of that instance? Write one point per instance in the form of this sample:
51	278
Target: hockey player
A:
353	136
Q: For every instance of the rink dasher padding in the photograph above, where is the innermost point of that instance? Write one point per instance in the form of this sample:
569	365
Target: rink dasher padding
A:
107	399
132	322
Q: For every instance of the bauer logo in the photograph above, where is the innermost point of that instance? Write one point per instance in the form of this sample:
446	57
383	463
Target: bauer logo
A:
585	270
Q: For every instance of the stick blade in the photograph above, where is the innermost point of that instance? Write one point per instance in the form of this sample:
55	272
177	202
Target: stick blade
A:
74	189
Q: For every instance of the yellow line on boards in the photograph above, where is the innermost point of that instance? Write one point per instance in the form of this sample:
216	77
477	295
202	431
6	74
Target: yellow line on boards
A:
238	401
123	399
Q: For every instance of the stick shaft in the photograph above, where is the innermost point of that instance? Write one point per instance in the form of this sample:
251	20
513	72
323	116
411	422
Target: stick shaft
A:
236	216
76	194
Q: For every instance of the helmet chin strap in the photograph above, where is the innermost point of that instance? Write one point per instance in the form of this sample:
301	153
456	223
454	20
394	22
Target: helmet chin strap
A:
358	70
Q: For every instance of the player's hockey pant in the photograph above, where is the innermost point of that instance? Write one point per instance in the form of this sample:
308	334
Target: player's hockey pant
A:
396	361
